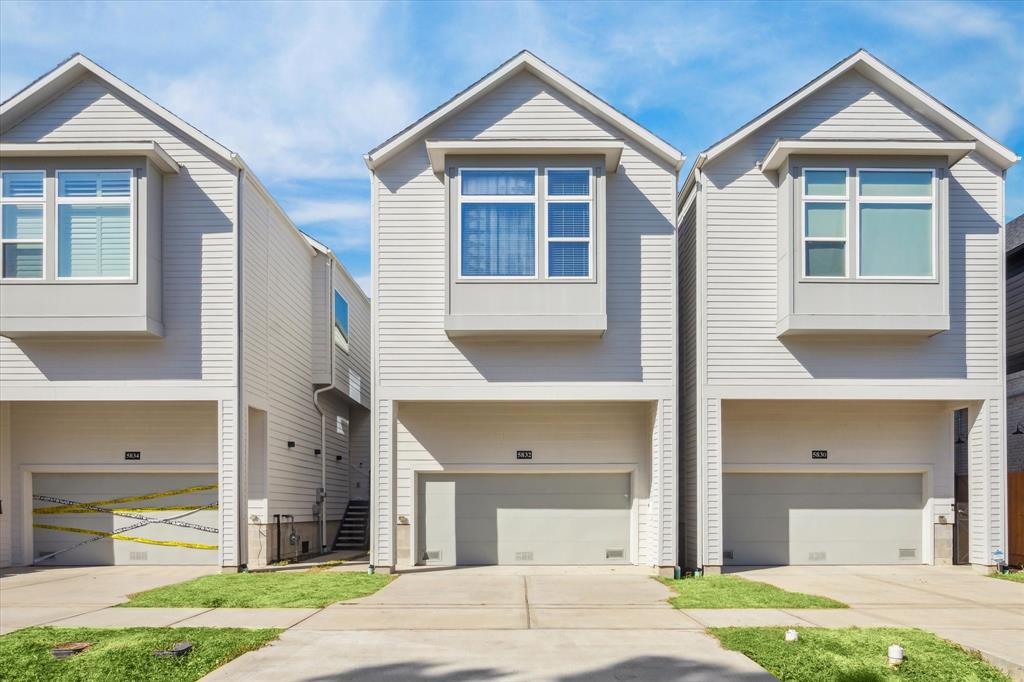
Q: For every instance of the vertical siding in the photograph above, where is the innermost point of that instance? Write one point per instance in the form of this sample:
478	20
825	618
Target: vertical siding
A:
713	482
639	344
198	258
228	482
687	262
383	478
668	501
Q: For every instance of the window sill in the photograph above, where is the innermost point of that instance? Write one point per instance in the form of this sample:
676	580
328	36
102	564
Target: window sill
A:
832	325
463	326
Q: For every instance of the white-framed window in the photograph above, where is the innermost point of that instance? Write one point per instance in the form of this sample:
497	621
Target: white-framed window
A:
825	219
340	320
896	223
23	227
95	218
497	223
569	200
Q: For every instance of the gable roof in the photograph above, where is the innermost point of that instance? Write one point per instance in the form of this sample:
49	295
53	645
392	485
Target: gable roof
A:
21	104
902	88
528	62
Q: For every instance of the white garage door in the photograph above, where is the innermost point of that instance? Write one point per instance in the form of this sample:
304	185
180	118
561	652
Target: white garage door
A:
546	519
105	519
773	519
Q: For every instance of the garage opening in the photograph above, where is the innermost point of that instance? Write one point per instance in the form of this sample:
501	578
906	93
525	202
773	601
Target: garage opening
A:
113	519
542	519
837	519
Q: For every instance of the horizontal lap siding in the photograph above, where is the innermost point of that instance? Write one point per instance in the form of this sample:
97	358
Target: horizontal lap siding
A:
742	261
198	255
413	348
687	243
352	366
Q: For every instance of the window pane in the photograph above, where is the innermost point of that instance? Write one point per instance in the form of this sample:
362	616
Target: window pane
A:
895	183
896	240
825	220
93	183
23	260
568	219
825	183
498	183
826	259
341	313
23	221
568	259
499	240
23	184
568	183
94	241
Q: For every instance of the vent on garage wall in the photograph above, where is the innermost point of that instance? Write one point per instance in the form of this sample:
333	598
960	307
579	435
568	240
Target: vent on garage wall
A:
908	553
524	556
816	556
614	554
138	556
727	554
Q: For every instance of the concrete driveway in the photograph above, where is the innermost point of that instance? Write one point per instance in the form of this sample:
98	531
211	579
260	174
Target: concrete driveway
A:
954	602
38	596
500	623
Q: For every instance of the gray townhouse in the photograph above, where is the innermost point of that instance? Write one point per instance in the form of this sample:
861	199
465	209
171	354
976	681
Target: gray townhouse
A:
842	332
185	377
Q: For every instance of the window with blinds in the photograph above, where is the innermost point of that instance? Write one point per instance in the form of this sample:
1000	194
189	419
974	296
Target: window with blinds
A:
22	235
498	223
94	224
568	226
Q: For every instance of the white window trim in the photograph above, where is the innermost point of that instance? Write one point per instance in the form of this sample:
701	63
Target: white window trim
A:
804	239
570	199
339	336
15	201
931	200
59	201
503	198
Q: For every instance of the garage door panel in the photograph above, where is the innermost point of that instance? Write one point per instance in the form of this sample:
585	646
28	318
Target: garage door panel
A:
822	519
130	518
525	519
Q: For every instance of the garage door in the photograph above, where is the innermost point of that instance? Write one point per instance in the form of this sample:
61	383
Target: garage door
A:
773	519
101	519
543	519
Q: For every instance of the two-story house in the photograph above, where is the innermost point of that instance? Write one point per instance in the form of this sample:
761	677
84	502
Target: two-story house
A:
524	331
184	376
842	333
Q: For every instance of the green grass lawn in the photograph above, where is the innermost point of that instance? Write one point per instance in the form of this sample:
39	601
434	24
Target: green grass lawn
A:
280	589
856	655
1017	577
733	592
123	654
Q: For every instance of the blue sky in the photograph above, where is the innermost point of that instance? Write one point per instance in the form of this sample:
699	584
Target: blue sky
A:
302	90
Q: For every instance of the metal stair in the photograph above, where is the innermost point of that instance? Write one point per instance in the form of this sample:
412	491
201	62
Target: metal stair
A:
354	531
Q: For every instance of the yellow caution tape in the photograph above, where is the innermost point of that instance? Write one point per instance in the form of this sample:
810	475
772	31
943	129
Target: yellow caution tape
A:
66	509
132	510
118	536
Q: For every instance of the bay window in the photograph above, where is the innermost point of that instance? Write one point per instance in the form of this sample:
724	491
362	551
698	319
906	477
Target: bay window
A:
94	224
22	234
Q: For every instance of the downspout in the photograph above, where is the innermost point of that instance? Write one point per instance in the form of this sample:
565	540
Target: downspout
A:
329	265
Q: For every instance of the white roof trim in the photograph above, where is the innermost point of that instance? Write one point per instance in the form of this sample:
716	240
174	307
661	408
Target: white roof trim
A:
524	61
912	95
150	149
21	104
610	149
782	149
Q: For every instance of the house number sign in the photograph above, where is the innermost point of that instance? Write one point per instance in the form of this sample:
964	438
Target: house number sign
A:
524	454
819	454
133	454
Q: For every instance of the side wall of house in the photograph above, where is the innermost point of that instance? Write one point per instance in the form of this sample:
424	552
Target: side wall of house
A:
688	477
352	366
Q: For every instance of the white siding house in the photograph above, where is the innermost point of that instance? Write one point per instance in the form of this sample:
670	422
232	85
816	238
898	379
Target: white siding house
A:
524	331
156	342
842	332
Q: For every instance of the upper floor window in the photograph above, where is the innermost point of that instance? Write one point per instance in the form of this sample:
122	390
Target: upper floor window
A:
893	218
340	320
94	224
569	222
22	234
498	223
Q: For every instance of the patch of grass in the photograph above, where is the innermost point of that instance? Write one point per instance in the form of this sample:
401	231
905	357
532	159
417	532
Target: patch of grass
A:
283	589
856	655
326	565
1015	577
123	655
733	592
